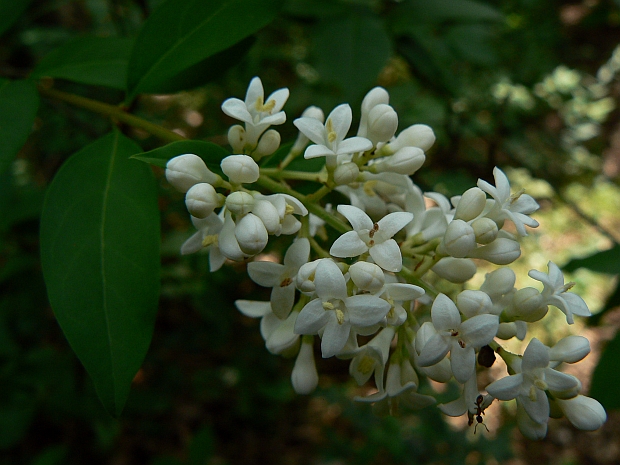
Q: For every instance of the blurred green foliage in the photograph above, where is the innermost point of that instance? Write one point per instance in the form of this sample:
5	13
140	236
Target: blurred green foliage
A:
208	391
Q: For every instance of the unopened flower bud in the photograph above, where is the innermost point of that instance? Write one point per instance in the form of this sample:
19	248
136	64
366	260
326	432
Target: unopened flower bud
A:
367	276
240	169
304	377
239	202
570	349
485	230
187	170
527	305
501	251
471	204
374	97
455	270
499	282
346	173
227	242
583	412
382	123
268	214
405	161
201	199
251	234
418	135
507	330
472	303
459	239
268	143
237	138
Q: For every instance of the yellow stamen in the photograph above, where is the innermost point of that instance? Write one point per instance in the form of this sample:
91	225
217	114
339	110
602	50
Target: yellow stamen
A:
288	209
328	306
210	240
366	365
368	188
339	316
331	134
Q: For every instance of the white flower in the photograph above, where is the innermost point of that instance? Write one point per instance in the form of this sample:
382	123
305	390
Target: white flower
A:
372	358
207	236
255	112
184	171
281	277
240	169
278	334
531	380
461	339
555	293
374	238
515	208
330	138
335	312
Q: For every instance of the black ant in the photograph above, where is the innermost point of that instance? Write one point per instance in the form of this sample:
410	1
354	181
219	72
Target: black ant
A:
478	416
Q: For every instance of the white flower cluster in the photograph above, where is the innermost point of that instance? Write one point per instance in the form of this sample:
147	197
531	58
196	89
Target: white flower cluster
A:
381	307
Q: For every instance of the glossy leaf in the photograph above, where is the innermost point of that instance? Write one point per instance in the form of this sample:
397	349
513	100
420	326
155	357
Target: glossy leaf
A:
19	102
607	261
179	35
211	153
89	60
100	259
350	52
10	11
606	377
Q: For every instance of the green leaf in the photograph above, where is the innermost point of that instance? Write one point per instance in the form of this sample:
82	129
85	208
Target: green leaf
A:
10	11
606	377
607	261
179	35
100	259
98	61
19	102
350	52
211	153
439	11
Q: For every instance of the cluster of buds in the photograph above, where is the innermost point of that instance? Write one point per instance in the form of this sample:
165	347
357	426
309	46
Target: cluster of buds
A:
373	296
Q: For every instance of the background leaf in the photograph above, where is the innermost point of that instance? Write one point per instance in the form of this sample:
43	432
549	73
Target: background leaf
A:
350	52
606	377
607	261
89	60
19	102
179	35
211	153
100	258
10	10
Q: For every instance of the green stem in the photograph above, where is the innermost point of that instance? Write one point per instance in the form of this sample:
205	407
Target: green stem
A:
411	278
312	207
111	111
276	173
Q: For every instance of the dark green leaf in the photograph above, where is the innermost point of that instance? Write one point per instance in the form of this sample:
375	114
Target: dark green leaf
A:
211	153
350	52
613	301
438	11
473	43
10	10
276	157
606	377
607	261
202	447
19	102
100	259
89	60
178	35
205	71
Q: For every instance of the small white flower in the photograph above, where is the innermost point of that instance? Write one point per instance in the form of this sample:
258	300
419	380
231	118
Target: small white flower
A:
207	236
281	277
304	376
184	171
335	312
372	358
515	208
374	238
255	112
461	339
330	138
531	380
583	412
555	293
240	169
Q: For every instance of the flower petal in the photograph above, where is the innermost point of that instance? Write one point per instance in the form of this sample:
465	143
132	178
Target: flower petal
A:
558	381
253	308
312	128
311	318
387	255
356	216
444	314
433	351
334	337
329	281
235	108
340	118
536	355
297	254
537	409
266	274
282	299
479	330
365	309
462	362
353	144
506	388
348	245
391	224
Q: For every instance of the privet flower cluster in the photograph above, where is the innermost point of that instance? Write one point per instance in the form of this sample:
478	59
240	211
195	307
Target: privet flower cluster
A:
373	296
